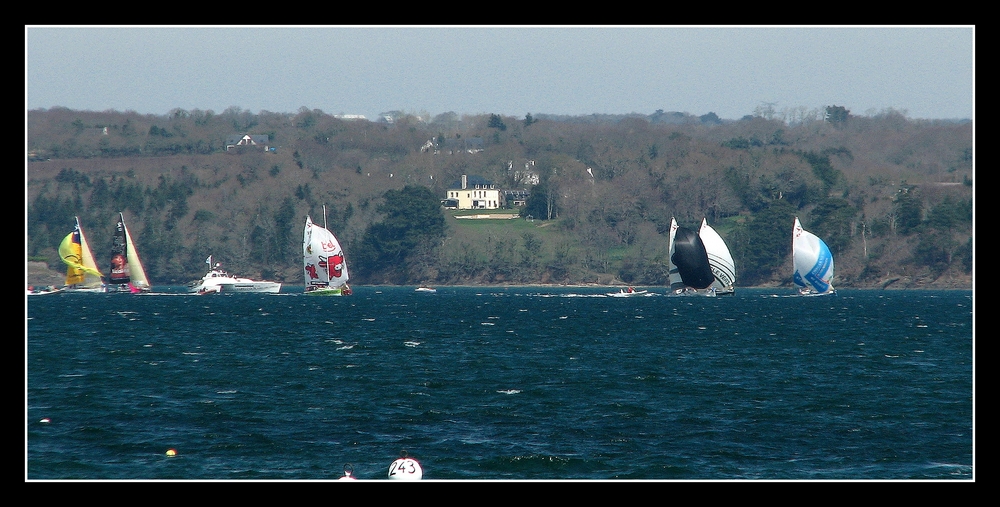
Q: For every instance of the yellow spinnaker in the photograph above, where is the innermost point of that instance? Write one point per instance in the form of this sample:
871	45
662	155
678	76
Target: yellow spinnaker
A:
72	254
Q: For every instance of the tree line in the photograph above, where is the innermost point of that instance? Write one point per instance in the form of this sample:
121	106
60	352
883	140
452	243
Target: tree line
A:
892	196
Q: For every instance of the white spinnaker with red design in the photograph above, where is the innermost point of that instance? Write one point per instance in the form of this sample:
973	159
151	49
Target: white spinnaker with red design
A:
323	260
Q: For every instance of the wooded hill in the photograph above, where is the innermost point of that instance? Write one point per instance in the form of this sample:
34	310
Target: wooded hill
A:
892	196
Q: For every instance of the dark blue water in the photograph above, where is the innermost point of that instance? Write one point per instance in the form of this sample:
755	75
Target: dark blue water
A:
488	383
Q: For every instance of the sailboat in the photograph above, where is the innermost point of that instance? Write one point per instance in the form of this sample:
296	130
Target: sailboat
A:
126	273
812	263
719	259
323	262
699	262
82	274
688	268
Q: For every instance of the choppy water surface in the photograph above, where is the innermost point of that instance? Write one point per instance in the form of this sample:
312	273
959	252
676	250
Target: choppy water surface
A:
488	383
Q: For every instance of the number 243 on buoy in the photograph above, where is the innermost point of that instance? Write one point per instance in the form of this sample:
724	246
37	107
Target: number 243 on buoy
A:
405	469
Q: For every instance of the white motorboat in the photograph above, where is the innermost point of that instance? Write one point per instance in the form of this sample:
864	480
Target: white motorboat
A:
218	281
625	293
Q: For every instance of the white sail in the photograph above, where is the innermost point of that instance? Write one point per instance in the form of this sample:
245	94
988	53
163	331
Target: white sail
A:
323	263
88	255
719	258
812	262
674	275
137	273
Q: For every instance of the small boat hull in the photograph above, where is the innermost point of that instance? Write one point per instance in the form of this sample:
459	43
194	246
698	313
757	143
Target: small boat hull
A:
809	293
625	294
218	281
328	292
688	291
258	287
126	289
44	291
91	290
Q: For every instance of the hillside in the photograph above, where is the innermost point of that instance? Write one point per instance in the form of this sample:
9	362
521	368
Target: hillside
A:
892	196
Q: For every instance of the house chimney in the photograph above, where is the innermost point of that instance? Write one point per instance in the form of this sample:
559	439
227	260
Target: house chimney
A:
465	182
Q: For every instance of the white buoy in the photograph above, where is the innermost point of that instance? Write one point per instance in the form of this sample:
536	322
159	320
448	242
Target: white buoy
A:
348	473
405	469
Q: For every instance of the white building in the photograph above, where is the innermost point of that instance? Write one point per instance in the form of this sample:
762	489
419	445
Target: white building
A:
473	192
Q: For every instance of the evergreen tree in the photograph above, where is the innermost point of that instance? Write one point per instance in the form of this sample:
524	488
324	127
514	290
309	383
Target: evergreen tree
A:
542	202
761	245
412	220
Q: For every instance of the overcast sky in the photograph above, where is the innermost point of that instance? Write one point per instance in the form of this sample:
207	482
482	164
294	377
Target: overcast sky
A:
924	71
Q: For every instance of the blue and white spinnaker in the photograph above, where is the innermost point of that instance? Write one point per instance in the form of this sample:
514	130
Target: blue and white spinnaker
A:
812	261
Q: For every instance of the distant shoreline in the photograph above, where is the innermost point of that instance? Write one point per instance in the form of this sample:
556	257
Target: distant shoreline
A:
38	273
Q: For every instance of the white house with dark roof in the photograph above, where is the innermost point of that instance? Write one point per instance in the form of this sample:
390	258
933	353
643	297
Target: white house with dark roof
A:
259	140
473	192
